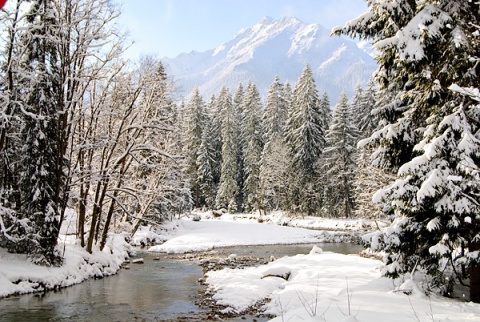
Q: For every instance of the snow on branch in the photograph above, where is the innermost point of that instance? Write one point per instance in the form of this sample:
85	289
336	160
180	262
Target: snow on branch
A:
474	93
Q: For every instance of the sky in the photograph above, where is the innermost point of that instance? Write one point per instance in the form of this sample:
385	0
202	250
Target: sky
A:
167	28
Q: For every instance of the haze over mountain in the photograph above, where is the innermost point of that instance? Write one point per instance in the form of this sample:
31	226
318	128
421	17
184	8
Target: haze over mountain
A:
270	48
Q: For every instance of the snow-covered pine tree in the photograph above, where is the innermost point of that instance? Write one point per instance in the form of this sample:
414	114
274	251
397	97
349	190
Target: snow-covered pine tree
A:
216	112
274	160
340	160
253	136
205	164
228	190
368	179
194	119
276	111
326	110
287	94
239	110
305	136
40	178
430	133
365	118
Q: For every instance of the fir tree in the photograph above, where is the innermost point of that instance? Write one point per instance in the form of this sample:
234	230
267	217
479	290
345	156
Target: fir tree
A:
170	166
305	136
40	177
364	112
205	165
253	136
429	134
341	159
274	160
228	190
239	115
326	110
276	110
216	113
195	117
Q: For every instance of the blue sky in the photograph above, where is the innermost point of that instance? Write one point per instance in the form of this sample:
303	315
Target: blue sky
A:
170	27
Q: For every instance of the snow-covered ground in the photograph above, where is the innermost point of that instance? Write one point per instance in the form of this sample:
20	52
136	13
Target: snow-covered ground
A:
321	286
333	287
244	229
19	276
192	236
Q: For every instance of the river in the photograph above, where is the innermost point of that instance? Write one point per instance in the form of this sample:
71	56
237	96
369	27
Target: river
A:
158	290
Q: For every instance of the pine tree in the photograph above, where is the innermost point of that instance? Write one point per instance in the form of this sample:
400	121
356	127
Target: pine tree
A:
195	118
40	177
430	134
216	113
239	115
305	136
253	136
274	159
341	159
227	194
276	110
368	179
205	164
365	118
326	111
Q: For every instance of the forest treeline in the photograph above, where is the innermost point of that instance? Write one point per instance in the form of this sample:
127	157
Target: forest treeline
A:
290	153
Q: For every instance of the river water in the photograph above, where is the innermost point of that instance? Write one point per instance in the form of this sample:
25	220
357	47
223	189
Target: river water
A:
159	290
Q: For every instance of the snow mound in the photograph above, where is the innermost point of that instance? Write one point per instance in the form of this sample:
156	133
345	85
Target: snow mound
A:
204	235
327	288
19	276
316	250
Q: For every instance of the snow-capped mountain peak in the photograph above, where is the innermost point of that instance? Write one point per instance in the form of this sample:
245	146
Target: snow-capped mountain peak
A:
275	47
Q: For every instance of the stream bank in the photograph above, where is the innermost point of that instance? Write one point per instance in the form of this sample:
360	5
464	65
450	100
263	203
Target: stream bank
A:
164	288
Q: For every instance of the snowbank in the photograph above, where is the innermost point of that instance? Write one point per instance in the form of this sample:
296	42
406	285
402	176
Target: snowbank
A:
208	231
194	236
331	287
19	276
280	218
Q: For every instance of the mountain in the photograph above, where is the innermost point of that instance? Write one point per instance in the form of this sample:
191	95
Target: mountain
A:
270	48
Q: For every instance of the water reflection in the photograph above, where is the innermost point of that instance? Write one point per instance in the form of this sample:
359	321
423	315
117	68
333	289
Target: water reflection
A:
154	291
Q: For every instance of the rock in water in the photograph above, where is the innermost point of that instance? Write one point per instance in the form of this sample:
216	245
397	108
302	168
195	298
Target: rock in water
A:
316	250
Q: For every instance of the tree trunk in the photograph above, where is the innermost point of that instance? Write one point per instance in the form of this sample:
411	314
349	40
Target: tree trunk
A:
474	276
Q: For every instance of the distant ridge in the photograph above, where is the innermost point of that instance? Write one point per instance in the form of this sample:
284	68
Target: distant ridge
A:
270	48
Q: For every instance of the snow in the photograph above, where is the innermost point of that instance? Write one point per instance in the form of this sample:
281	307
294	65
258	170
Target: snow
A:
433	224
313	287
19	276
244	229
256	52
410	40
319	288
194	236
472	92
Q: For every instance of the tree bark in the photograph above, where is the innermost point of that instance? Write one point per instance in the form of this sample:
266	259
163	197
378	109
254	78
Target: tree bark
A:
474	276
